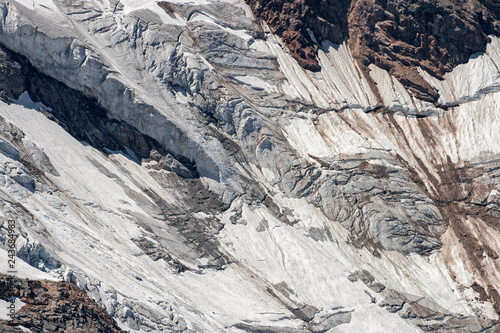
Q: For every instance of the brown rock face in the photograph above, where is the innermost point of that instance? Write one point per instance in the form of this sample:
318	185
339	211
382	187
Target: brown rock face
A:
54	307
291	19
395	35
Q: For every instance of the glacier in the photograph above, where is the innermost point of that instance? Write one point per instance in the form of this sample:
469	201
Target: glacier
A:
175	162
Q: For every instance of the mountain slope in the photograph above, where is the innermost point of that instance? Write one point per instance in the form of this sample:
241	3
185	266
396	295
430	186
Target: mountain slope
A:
176	162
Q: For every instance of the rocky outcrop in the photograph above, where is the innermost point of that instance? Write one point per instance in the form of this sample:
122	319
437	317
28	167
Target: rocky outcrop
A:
397	36
53	307
299	22
400	36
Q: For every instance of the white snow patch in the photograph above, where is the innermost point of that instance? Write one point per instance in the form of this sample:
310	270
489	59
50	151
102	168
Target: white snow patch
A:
131	6
256	83
303	135
395	96
93	223
467	82
242	33
269	174
25	100
36	5
191	2
23	270
338	85
5	308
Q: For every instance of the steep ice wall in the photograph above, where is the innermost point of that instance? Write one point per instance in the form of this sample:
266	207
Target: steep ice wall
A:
93	55
312	201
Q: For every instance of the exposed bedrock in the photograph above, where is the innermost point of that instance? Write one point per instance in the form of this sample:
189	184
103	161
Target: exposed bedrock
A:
53	307
398	36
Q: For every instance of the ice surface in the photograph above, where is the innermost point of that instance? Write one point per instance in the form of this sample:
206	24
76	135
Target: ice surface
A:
25	100
23	270
37	5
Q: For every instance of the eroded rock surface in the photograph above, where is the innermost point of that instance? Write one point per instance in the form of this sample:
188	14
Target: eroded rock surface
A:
397	36
53	307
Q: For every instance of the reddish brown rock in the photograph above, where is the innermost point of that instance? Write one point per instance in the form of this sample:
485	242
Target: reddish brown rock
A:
395	35
290	19
54	307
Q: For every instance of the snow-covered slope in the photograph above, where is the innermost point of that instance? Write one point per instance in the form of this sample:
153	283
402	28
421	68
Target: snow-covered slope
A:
180	166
